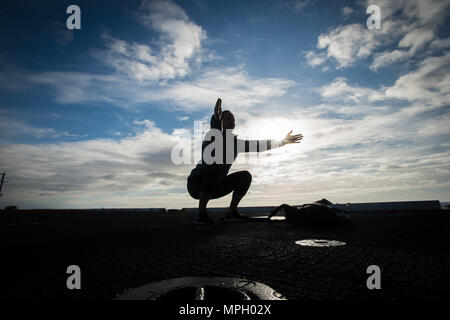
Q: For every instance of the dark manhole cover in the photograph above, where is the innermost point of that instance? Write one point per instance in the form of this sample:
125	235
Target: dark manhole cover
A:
320	243
203	288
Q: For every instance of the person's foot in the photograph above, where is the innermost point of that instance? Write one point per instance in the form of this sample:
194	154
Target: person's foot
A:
235	216
202	218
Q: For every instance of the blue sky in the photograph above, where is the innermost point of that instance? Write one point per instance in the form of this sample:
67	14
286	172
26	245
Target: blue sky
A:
89	117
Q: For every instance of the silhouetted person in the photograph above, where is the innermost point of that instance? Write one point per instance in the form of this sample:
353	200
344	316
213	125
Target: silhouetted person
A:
210	180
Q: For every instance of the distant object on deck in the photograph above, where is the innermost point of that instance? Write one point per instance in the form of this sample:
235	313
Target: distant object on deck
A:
9	209
431	205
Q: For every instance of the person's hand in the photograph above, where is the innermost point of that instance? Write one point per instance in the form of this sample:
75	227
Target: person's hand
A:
296	138
218	109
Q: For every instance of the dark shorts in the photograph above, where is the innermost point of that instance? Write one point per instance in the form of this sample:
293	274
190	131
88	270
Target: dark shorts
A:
218	186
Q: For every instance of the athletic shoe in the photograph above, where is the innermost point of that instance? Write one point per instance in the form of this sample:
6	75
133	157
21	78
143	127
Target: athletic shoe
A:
235	216
203	219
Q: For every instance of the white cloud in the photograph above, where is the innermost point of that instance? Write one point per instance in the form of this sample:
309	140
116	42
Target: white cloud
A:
341	90
411	24
416	39
92	173
12	127
233	84
146	123
180	42
429	84
315	59
435	126
66	87
440	43
387	58
347	43
377	158
300	5
425	88
62	35
347	11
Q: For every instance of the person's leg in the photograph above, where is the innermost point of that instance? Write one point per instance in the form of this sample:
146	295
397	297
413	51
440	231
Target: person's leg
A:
201	217
194	190
212	188
203	201
235	199
238	182
242	181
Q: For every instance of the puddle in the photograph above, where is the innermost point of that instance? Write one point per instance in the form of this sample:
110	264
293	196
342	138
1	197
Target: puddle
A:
320	243
203	288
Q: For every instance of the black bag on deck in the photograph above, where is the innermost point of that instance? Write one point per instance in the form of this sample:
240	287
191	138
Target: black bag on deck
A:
321	212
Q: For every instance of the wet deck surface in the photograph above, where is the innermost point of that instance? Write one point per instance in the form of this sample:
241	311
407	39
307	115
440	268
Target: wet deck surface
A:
120	250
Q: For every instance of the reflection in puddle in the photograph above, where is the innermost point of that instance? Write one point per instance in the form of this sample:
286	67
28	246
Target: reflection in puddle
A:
320	243
272	218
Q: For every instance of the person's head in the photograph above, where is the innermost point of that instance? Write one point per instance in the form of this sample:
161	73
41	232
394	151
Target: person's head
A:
227	120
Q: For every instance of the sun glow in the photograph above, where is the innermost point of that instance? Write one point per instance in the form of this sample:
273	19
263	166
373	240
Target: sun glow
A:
275	128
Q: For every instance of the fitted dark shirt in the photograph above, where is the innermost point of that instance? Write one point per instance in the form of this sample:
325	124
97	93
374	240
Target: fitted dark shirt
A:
223	166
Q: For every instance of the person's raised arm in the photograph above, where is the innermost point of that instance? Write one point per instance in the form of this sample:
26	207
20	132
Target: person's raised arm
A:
264	145
216	119
218	109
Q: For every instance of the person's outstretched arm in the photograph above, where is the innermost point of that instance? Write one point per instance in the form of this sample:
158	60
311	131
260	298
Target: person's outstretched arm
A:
264	145
216	119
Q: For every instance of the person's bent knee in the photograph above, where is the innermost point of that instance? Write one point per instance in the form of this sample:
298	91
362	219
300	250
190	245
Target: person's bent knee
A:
193	190
247	176
245	179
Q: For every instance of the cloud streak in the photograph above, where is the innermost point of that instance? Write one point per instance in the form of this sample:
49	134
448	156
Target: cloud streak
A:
413	25
180	41
232	83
